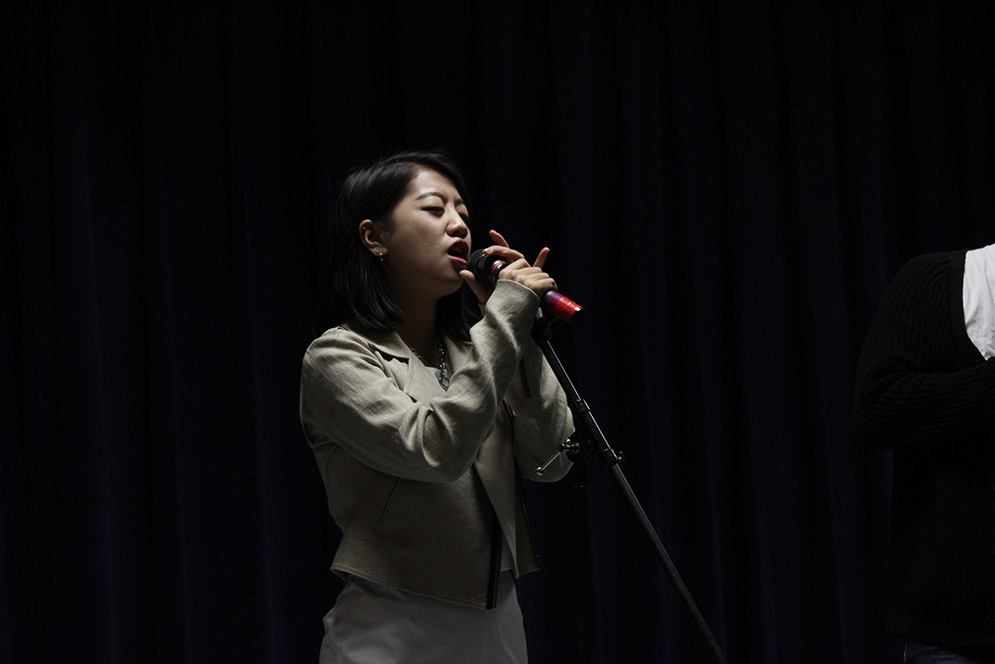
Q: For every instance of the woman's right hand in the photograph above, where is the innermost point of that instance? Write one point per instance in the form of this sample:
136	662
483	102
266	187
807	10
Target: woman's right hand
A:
517	269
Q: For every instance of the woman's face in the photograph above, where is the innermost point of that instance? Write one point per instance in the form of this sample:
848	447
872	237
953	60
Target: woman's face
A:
427	240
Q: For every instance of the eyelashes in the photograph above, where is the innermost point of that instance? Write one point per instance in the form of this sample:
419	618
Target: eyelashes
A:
439	211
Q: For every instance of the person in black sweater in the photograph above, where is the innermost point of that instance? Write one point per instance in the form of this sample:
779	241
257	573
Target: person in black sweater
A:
925	389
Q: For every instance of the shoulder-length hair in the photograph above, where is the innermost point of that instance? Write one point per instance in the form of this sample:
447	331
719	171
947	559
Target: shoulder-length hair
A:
355	286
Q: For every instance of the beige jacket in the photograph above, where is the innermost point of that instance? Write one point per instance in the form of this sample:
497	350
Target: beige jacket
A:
415	474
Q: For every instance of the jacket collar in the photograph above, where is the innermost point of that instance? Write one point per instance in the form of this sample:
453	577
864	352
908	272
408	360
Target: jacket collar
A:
385	342
391	343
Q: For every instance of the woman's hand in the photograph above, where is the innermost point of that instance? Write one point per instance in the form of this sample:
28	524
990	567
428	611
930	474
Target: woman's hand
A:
518	269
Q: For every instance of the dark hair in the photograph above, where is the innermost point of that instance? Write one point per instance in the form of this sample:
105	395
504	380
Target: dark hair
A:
355	287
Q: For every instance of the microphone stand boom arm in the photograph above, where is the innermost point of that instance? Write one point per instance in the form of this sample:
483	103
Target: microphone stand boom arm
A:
583	444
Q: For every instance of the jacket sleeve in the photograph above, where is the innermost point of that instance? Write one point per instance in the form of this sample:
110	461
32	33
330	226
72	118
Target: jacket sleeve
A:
917	382
542	420
351	399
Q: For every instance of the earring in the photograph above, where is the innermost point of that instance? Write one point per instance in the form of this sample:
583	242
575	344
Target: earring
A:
380	255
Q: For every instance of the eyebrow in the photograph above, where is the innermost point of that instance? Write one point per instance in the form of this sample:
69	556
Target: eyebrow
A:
428	194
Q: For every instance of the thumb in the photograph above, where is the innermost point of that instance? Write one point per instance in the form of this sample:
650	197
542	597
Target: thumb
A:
481	290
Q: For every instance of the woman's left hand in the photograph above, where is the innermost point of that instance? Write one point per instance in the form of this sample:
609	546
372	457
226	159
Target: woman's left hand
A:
518	269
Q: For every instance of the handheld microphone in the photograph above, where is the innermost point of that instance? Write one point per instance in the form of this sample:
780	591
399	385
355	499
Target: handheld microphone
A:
486	268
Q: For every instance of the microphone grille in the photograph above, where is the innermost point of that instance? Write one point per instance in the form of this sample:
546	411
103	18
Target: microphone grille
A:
485	268
476	262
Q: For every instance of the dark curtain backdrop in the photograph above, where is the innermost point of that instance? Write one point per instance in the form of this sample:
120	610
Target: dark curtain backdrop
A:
726	186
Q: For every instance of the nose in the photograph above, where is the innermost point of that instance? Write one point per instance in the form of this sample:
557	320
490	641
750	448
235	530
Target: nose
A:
457	225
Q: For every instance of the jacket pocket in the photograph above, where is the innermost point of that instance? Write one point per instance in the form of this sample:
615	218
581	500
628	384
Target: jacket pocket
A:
386	502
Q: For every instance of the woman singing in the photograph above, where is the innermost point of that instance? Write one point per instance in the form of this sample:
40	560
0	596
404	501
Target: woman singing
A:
422	425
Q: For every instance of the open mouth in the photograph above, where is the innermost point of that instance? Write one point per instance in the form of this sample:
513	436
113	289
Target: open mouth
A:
458	252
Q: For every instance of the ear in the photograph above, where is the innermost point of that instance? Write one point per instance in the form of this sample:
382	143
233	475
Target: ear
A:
372	238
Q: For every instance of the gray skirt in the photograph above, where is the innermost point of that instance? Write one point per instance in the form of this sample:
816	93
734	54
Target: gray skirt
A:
374	624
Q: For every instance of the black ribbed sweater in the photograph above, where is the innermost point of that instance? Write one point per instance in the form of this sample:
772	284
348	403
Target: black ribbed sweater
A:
924	391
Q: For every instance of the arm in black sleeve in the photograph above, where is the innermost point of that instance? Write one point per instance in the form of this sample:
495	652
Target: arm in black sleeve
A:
919	378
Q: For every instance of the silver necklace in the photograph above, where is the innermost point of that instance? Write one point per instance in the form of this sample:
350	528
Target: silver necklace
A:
443	368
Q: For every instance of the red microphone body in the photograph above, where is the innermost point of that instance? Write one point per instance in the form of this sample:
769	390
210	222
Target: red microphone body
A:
486	268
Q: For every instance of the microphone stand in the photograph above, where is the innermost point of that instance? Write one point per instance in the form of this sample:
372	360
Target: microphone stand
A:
581	446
